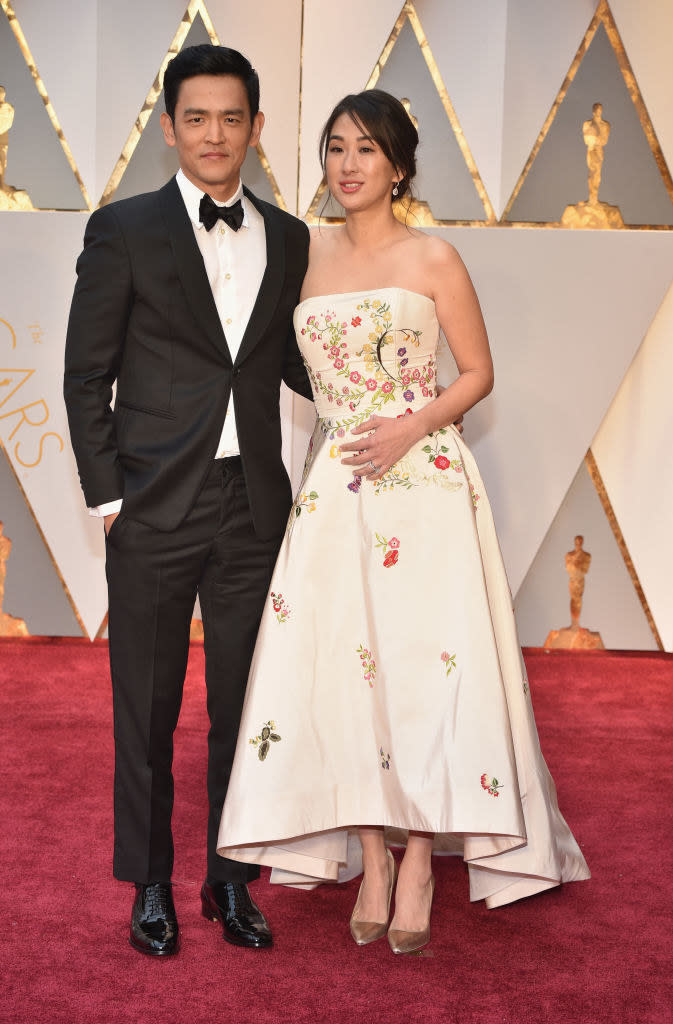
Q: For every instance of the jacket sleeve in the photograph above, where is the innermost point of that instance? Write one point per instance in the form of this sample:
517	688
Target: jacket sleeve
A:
294	371
99	315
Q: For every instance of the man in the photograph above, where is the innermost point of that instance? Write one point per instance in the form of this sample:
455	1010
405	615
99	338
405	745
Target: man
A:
185	297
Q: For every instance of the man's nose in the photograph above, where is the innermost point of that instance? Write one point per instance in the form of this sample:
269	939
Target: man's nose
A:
216	131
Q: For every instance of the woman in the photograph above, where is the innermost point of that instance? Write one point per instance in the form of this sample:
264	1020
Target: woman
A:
387	698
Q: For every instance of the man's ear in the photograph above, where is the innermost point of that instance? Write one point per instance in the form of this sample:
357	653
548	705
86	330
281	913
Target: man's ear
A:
257	125
168	130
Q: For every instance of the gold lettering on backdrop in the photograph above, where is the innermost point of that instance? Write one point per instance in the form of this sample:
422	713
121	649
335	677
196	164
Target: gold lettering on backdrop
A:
4	324
36	333
28	449
593	213
9	626
7	379
577	564
10	198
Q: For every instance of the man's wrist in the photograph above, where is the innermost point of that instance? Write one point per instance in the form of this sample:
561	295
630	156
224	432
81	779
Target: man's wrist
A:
108	508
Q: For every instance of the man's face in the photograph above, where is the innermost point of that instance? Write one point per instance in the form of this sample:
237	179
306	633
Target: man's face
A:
212	132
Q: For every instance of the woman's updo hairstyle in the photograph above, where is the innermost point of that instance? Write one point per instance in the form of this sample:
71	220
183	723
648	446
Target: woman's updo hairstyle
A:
380	117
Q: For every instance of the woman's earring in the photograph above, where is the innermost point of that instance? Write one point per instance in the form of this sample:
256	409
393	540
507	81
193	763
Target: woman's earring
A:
395	190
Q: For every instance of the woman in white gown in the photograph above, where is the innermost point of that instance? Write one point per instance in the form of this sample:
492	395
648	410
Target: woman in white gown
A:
387	698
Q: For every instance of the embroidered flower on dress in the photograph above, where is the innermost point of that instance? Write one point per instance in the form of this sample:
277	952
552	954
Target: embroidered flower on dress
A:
280	607
449	661
391	556
491	785
264	739
368	664
355	483
304	501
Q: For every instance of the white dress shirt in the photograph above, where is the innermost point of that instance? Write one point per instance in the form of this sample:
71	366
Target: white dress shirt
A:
235	263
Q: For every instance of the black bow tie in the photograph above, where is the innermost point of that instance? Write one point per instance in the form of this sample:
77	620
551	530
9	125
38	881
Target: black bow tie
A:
210	213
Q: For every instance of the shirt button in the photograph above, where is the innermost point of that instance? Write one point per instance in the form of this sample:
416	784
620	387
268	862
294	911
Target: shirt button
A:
220	231
227	277
228	319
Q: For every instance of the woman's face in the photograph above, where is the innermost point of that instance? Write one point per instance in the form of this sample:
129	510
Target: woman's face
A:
359	174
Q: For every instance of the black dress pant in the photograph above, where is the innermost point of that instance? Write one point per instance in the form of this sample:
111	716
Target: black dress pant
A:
153	578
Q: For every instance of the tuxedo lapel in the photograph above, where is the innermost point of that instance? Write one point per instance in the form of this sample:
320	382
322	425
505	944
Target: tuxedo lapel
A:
270	288
191	267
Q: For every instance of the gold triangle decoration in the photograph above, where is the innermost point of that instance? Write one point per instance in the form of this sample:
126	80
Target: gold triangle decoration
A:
194	8
425	216
28	57
602	493
80	623
604	17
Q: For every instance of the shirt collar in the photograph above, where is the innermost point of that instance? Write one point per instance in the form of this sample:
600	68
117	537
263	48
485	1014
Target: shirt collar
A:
192	198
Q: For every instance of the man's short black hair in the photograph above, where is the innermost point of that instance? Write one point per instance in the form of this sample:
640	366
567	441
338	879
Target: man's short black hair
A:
209	60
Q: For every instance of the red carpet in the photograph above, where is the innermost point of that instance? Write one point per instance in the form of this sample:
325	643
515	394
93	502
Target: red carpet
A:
596	951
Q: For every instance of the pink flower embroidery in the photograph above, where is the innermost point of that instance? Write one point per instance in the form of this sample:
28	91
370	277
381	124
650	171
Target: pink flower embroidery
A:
449	661
393	542
371	384
338	364
368	664
355	377
387	386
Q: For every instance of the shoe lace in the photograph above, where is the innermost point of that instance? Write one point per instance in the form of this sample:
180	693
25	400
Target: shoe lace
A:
156	899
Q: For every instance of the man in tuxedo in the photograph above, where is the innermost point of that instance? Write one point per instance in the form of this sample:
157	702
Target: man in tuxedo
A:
184	297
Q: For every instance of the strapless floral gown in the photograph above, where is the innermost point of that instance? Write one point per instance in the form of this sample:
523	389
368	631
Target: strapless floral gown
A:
387	686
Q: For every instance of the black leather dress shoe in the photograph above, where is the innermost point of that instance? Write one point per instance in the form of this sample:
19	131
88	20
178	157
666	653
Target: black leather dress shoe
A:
154	926
243	923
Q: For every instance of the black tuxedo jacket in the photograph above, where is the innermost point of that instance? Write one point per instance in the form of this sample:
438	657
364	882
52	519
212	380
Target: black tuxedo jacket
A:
143	314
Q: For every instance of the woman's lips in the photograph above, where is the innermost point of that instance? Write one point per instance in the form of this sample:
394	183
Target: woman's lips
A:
350	186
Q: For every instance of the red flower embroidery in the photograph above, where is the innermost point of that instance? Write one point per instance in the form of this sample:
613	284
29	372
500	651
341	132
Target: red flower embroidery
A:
490	785
441	462
356	321
391	558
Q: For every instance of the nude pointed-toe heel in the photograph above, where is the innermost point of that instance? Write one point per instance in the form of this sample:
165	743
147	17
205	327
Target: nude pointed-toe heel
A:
409	942
365	932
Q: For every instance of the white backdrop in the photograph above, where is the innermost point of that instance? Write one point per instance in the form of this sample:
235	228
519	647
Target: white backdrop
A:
567	311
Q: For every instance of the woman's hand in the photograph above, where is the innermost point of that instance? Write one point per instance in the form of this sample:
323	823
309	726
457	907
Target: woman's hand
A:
386	442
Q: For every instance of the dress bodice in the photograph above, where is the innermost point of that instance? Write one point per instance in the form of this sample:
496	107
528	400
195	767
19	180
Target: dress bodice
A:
368	353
